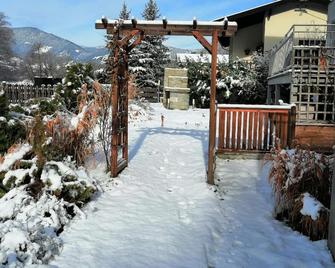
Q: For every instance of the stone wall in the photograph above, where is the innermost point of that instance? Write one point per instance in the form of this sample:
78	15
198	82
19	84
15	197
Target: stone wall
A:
176	92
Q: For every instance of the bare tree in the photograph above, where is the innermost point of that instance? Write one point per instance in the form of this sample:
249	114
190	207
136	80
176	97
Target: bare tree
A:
42	62
6	37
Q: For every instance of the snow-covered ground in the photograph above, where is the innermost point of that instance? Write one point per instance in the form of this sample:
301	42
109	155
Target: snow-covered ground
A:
161	213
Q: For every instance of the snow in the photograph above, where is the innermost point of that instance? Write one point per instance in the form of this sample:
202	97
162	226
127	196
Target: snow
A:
44	49
161	213
311	206
76	119
184	57
14	239
17	154
52	178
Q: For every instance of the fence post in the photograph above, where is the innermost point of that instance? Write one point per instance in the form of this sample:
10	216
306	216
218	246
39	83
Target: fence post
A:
331	230
292	123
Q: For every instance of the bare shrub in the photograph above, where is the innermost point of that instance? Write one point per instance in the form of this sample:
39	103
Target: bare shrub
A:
294	173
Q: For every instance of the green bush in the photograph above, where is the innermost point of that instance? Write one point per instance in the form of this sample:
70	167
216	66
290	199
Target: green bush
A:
237	82
76	76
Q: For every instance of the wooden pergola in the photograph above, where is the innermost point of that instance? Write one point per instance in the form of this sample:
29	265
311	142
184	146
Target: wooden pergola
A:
126	34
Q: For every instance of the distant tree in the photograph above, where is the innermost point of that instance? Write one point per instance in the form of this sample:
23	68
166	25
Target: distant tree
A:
41	62
148	59
151	10
125	12
6	37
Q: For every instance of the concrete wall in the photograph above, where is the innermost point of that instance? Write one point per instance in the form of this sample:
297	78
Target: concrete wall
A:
247	38
331	13
281	19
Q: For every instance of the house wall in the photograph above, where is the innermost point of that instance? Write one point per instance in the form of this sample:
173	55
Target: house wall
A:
331	13
246	38
281	19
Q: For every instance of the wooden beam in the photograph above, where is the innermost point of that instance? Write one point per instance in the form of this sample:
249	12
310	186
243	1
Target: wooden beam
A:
136	42
212	111
202	41
126	38
161	27
115	92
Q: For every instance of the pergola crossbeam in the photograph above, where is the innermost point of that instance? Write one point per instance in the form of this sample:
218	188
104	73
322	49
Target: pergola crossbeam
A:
165	27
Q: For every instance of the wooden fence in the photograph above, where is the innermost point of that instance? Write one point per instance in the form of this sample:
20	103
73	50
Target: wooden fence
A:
150	94
255	128
16	93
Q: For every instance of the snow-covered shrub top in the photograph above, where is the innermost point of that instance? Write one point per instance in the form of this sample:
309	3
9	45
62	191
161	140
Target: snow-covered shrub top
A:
301	181
37	204
16	155
311	206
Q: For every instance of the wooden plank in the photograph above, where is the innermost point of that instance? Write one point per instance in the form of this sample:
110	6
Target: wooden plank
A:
266	131
260	132
239	130
169	28
284	130
244	135
250	129
197	35
277	125
228	128
233	136
271	128
255	130
115	94
221	129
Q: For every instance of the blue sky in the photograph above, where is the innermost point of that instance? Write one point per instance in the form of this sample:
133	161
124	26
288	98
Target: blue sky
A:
74	19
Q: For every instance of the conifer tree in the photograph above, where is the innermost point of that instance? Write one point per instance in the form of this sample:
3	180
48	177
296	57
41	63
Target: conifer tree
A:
148	59
125	12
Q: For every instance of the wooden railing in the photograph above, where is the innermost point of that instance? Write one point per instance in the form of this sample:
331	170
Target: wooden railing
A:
255	128
19	93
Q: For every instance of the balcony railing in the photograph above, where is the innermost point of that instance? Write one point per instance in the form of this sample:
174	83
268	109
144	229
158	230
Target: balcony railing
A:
299	37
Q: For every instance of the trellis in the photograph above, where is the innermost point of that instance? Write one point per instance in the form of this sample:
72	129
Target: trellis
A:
126	34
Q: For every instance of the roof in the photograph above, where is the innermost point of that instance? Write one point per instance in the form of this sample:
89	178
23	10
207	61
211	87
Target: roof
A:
262	8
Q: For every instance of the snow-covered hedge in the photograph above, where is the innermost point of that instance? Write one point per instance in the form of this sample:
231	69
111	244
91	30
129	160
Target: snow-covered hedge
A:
301	181
36	204
237	81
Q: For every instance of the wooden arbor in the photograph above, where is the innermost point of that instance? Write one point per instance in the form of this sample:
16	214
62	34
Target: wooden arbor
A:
129	33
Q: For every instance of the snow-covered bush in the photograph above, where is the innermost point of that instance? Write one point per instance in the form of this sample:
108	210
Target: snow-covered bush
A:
37	203
11	129
301	181
77	74
237	82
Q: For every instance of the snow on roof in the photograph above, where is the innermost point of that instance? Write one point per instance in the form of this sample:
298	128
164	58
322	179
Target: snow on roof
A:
184	57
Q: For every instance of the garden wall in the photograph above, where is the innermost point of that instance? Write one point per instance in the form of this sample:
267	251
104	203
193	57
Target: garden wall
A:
320	138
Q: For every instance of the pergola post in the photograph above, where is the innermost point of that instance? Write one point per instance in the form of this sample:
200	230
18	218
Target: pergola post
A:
212	111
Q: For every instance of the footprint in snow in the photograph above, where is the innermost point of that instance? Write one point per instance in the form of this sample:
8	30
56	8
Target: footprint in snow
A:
183	213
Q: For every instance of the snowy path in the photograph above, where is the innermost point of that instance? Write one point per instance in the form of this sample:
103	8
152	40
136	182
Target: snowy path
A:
161	213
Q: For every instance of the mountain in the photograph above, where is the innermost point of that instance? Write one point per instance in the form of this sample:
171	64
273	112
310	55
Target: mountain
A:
25	37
